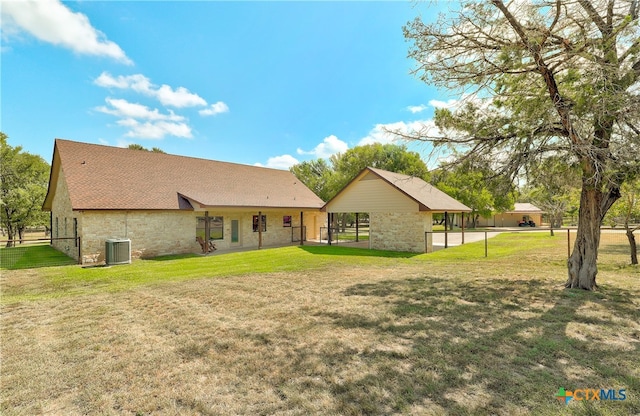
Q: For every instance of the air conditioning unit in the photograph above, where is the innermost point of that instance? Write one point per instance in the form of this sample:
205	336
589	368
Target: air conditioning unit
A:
117	251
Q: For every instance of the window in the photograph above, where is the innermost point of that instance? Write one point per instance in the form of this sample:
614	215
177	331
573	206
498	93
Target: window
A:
286	221
75	231
216	228
255	223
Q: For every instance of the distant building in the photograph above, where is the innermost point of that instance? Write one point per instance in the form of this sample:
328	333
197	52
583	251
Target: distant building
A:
522	212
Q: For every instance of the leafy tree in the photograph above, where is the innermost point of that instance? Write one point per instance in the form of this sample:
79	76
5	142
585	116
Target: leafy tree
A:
627	211
475	184
542	78
23	186
135	146
554	186
391	157
317	176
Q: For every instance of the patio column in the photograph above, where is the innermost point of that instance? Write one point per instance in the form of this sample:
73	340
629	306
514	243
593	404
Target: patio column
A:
301	228
446	229
329	227
259	229
357	227
207	227
462	225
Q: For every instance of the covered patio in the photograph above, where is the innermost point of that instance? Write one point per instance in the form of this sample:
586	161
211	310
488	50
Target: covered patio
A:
400	208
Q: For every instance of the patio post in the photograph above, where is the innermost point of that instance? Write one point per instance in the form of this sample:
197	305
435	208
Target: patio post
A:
301	228
259	229
446	229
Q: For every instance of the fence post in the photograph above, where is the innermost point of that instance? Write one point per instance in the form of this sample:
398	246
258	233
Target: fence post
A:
568	243
486	244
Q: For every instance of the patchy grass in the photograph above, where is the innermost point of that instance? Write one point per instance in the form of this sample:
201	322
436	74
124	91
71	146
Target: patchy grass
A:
321	330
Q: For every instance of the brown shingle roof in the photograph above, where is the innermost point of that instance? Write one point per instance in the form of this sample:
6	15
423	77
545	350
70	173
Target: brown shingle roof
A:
422	192
104	177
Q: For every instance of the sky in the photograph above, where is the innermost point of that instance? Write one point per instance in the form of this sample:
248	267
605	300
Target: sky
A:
259	83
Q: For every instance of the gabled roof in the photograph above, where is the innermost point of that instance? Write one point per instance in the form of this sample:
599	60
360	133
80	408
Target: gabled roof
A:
427	196
104	177
524	207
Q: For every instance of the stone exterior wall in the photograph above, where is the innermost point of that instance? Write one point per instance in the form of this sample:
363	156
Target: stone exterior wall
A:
156	233
159	232
63	220
276	233
152	233
399	231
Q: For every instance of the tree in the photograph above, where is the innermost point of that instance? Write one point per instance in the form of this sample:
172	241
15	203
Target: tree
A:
554	186
135	146
627	211
542	78
23	186
476	185
317	176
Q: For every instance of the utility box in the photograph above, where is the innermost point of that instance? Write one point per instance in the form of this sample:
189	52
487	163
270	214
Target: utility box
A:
117	251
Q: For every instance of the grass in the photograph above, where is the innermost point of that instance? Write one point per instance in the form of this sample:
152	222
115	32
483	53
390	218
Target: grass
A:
30	256
322	330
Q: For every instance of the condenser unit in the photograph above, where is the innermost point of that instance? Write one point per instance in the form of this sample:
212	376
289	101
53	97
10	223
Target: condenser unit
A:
118	251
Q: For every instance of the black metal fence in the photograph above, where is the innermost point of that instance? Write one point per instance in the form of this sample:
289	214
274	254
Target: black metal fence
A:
614	248
344	234
34	253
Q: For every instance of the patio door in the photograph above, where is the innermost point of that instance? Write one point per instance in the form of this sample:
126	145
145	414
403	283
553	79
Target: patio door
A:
235	232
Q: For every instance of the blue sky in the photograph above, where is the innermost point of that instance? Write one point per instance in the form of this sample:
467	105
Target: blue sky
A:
259	83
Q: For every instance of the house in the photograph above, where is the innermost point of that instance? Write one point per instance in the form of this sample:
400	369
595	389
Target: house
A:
162	203
522	212
400	208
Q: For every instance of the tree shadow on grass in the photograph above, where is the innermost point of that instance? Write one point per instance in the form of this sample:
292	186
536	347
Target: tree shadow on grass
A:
335	250
495	347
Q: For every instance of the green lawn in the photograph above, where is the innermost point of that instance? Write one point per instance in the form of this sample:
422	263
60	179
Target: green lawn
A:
322	330
31	256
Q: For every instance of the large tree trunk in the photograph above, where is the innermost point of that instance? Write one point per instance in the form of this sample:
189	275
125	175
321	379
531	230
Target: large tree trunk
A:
582	265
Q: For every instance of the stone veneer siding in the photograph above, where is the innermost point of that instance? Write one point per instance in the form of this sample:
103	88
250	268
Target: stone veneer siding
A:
62	219
397	231
159	232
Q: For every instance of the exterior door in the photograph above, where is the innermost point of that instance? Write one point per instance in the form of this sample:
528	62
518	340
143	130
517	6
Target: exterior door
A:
235	232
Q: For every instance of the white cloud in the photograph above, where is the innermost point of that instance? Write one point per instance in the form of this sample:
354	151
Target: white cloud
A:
123	108
283	162
417	108
52	22
444	104
329	146
155	129
179	98
213	109
136	82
